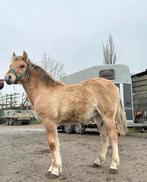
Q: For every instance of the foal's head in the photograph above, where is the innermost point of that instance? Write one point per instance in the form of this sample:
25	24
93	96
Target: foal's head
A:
18	71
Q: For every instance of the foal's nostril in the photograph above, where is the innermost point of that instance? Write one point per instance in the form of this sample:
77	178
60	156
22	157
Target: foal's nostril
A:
9	77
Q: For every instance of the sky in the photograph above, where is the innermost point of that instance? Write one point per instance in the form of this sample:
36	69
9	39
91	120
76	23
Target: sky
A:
73	32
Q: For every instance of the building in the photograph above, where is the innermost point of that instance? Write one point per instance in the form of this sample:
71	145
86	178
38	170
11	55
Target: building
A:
139	86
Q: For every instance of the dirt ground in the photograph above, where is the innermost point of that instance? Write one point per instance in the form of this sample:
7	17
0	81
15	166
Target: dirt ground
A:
24	157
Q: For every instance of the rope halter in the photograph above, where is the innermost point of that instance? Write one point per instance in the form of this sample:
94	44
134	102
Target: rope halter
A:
19	76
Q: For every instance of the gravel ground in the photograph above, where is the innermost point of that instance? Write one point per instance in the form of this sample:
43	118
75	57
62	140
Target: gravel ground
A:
24	157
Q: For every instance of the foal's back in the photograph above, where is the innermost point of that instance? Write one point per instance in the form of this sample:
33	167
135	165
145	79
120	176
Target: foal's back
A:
78	102
96	87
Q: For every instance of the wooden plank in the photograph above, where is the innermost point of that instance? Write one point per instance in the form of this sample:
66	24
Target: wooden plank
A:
140	101
140	89
135	79
140	95
139	83
140	107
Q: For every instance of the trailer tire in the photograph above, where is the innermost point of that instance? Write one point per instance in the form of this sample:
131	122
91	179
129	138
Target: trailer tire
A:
25	122
79	129
7	122
69	128
11	122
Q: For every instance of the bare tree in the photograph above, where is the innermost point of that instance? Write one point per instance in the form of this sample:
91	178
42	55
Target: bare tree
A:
109	51
55	68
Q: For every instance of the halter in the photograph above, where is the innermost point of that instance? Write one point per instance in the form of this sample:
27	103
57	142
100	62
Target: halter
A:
20	75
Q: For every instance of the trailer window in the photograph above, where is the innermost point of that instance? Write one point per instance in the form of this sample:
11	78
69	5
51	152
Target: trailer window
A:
108	74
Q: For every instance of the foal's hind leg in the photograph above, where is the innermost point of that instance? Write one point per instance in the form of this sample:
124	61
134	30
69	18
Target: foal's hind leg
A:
113	133
115	153
104	141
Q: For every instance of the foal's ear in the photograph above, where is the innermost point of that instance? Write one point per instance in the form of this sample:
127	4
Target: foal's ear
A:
25	55
13	55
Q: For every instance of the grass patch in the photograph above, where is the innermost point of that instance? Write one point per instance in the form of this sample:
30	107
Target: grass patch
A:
35	121
131	130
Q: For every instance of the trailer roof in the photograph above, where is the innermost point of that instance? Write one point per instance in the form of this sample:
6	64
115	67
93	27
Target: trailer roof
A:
122	73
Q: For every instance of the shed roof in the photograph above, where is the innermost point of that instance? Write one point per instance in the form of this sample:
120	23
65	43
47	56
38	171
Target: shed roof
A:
140	74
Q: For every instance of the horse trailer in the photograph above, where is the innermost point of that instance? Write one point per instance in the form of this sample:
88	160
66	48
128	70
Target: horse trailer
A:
120	75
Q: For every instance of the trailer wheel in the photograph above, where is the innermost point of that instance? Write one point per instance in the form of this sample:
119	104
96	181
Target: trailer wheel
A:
7	122
69	128
11	122
79	128
25	122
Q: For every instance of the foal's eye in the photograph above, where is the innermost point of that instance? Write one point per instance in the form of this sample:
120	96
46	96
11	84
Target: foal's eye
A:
22	66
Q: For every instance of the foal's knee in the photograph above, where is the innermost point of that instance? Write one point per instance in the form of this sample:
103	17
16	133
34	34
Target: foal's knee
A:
52	146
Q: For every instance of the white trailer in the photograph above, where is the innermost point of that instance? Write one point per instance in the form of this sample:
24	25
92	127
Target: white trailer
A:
119	74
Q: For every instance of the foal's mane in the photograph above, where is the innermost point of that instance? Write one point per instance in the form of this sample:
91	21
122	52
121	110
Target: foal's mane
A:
44	76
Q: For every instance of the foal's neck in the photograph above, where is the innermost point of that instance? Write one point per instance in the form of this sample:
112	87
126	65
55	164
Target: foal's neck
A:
37	82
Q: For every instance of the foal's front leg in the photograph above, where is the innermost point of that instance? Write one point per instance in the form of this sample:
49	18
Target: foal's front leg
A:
56	163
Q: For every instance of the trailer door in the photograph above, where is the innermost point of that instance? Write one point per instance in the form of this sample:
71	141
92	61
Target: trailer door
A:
128	102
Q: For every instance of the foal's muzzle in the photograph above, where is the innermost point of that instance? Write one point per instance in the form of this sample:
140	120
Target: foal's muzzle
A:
10	78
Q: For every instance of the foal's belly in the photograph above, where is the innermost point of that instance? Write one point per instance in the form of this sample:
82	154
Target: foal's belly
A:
75	116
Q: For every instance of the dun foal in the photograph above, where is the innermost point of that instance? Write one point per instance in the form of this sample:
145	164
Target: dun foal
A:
56	103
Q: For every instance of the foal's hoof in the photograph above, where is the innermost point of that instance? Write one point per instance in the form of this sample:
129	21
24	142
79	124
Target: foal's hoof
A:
51	176
95	165
49	172
113	171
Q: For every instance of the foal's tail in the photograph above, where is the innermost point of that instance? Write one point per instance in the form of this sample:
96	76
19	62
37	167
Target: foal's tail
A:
121	122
